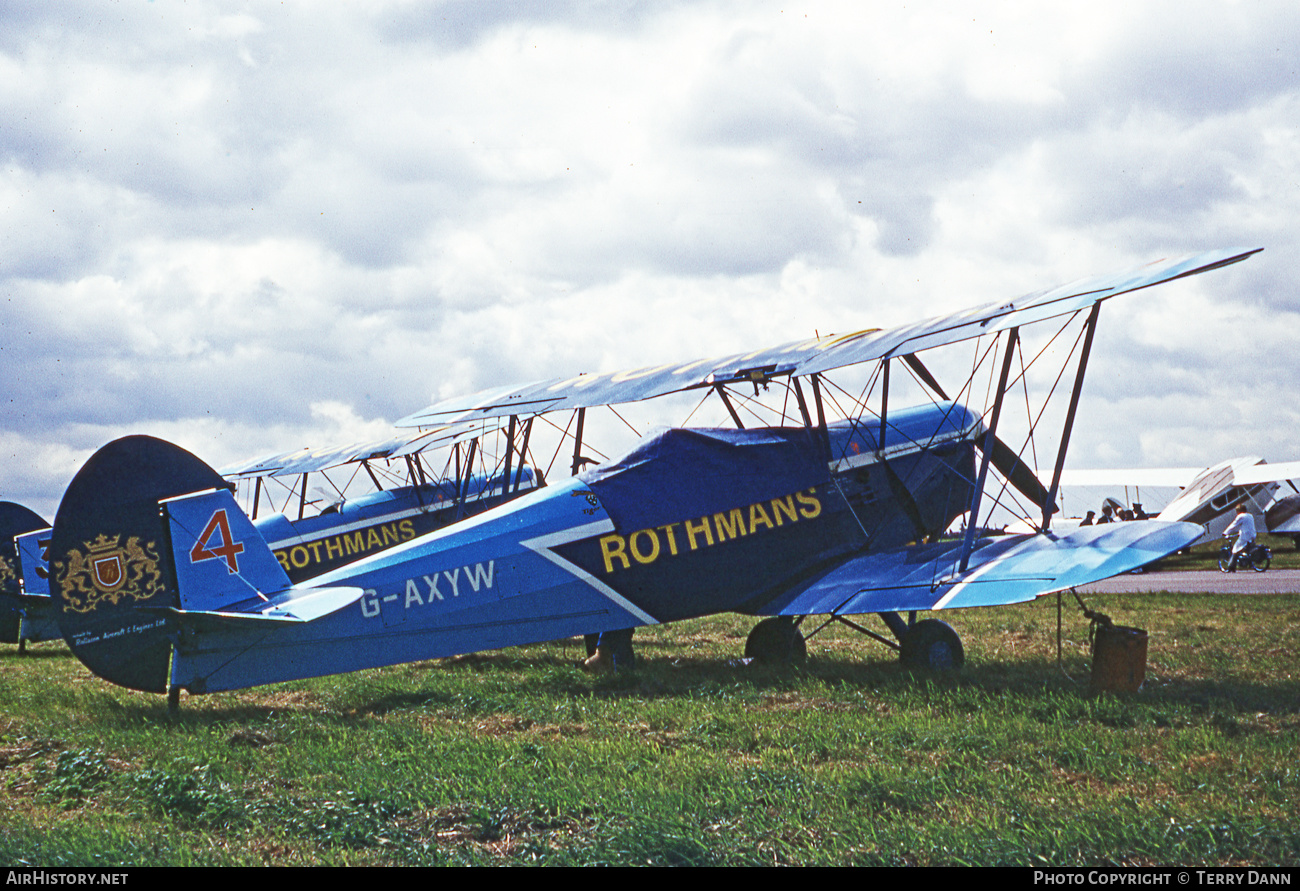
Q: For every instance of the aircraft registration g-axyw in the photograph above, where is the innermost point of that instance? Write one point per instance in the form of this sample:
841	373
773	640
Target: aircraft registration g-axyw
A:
165	583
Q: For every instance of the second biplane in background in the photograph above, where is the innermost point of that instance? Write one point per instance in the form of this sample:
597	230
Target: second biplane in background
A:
834	505
1208	496
402	498
27	612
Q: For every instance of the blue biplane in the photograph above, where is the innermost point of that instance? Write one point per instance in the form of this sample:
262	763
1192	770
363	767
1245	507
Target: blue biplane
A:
399	504
165	583
27	612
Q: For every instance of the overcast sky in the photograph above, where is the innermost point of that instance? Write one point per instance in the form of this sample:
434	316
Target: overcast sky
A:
253	226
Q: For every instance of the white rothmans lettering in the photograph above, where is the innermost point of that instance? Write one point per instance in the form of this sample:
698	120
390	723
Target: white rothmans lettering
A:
422	590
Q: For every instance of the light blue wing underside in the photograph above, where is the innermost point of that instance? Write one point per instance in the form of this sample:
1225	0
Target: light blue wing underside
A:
1003	570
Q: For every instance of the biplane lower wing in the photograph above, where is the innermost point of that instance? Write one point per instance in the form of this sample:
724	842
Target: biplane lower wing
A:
1004	570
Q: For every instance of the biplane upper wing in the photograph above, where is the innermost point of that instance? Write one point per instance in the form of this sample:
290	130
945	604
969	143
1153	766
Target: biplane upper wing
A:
1243	472
306	460
813	355
1003	570
1179	477
1267	473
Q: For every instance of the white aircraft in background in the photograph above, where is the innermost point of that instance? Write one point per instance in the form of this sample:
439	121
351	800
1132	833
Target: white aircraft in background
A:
1210	494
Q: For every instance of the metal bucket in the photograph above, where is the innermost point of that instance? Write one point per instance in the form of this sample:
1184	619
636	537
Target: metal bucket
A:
1119	659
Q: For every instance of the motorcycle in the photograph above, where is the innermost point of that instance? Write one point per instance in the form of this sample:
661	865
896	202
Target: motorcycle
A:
1256	556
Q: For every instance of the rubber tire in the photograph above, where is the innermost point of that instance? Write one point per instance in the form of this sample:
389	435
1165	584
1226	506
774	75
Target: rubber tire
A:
1225	560
932	645
776	641
1260	564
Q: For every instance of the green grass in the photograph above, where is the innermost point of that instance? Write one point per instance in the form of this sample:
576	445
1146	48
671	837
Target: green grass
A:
515	757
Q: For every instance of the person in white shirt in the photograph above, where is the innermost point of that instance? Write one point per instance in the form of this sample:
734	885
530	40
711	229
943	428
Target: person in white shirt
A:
1244	526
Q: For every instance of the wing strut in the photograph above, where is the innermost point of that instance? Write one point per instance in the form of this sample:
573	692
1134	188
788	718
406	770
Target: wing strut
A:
1069	417
577	442
924	374
523	453
722	394
464	482
817	398
371	473
803	405
510	444
969	541
884	400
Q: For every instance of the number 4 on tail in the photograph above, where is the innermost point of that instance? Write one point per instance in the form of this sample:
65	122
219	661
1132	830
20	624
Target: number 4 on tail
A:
228	549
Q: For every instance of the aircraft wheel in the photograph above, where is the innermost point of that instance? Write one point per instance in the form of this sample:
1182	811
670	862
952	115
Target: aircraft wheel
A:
590	641
933	645
776	641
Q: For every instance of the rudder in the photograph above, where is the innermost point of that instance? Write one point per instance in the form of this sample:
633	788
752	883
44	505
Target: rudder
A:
221	560
110	555
15	520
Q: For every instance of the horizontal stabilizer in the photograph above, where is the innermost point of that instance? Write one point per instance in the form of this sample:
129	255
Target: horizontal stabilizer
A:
294	605
1002	570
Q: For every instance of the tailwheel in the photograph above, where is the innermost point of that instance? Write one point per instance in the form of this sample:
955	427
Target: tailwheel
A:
933	645
777	641
613	652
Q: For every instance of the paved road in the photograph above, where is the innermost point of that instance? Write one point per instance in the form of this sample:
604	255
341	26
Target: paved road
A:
1275	581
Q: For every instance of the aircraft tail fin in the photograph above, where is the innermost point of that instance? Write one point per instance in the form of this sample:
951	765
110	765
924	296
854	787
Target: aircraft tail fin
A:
15	520
149	541
146	536
226	573
220	560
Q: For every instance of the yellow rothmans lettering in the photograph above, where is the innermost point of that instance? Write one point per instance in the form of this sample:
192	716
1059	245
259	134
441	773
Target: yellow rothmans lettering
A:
652	553
645	546
730	525
611	546
693	529
346	545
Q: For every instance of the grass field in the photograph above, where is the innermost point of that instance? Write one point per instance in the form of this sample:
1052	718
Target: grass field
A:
515	757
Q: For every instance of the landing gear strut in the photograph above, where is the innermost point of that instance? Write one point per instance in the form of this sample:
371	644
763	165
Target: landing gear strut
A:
930	644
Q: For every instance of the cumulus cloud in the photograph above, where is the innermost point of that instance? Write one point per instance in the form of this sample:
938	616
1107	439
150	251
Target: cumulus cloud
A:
249	231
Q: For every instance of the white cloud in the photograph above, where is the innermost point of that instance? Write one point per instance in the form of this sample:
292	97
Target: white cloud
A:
218	223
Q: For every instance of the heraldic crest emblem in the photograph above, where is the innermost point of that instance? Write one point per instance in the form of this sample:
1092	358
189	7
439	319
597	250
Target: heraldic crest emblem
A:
109	572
